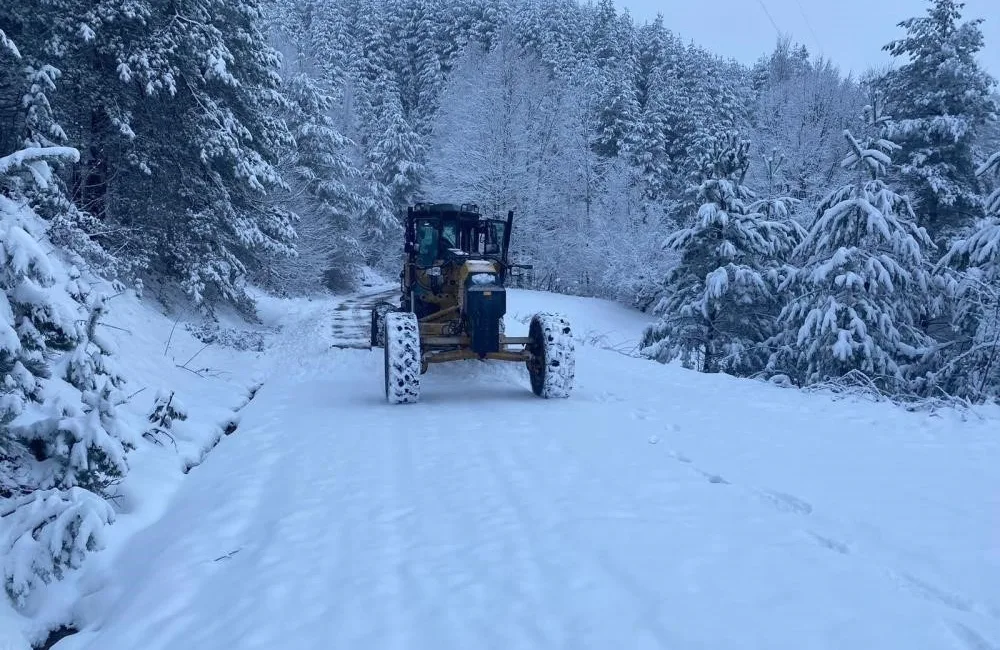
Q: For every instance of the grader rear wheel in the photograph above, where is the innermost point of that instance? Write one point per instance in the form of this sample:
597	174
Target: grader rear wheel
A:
378	323
552	366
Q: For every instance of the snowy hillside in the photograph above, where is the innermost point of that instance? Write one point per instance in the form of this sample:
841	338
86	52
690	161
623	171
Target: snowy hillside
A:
655	508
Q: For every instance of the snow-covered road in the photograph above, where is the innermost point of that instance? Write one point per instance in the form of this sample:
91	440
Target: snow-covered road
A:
655	508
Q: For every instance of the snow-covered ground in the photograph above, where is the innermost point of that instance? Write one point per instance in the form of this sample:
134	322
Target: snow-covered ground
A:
655	508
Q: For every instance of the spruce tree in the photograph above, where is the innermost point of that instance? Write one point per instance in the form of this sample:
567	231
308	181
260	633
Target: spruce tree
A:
862	282
939	101
396	156
176	110
969	364
324	195
714	315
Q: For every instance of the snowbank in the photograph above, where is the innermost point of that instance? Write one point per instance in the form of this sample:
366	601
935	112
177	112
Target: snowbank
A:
159	356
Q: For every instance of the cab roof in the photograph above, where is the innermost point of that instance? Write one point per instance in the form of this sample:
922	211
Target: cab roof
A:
466	210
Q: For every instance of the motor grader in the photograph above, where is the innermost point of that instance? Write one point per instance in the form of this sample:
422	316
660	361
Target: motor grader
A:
452	304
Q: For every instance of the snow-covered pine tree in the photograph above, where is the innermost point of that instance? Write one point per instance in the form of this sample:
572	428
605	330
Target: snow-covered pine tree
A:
861	288
418	27
176	107
47	533
969	365
71	429
33	320
714	314
323	181
940	100
85	445
396	155
775	207
992	166
648	144
59	432
702	96
166	410
613	58
550	30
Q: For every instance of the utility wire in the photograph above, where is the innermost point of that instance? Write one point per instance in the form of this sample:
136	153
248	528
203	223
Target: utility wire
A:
769	17
809	26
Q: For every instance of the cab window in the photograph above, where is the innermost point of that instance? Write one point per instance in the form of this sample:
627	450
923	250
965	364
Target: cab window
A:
427	240
449	236
495	231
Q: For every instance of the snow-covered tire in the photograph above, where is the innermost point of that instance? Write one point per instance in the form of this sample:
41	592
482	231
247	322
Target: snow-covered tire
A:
378	323
552	366
402	357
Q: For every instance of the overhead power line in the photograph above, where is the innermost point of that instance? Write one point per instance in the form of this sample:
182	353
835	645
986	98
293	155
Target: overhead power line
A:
769	17
809	26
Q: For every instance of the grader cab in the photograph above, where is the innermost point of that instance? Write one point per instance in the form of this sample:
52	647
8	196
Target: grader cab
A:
452	303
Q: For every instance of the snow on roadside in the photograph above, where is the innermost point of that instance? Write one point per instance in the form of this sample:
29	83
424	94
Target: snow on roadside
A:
159	354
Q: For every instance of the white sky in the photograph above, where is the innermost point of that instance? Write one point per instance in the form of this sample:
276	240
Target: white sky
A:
849	32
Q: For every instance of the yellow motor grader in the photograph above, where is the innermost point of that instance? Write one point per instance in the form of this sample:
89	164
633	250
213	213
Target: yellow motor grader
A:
452	303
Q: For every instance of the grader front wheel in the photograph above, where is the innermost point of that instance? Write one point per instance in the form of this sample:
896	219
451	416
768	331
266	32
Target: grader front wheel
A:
552	365
402	358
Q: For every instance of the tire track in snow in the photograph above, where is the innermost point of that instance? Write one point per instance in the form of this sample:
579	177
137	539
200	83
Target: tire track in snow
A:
581	556
527	572
429	478
290	524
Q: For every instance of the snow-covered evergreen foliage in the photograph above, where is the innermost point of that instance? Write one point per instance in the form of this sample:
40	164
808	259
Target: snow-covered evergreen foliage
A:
322	179
61	442
47	533
862	282
175	108
33	318
396	156
940	100
969	364
719	300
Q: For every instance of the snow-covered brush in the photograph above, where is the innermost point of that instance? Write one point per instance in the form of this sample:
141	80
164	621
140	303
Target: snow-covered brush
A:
602	341
166	410
857	384
46	533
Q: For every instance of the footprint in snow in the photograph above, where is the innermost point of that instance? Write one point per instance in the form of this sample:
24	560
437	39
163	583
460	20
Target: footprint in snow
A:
679	457
714	478
786	502
933	593
972	639
829	543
